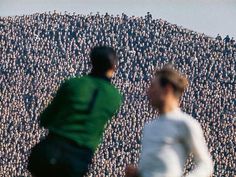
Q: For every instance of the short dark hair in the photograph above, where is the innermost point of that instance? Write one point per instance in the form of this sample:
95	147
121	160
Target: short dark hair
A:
103	58
168	75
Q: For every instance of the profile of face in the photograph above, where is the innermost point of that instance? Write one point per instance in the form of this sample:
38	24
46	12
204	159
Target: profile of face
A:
110	72
156	94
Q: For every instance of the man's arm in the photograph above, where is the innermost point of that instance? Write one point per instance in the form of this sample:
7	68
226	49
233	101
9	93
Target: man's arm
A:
197	145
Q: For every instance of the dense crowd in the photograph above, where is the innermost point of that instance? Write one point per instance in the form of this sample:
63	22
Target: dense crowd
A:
39	51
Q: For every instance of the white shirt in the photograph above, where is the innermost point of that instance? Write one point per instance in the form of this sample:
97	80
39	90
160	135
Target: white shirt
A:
168	141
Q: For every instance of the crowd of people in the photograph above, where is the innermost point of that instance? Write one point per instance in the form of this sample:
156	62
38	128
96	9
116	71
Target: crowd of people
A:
39	51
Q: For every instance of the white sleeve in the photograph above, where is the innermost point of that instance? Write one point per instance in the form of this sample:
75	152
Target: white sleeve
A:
197	145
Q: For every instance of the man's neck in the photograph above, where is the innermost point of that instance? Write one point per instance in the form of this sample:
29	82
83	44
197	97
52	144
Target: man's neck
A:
167	108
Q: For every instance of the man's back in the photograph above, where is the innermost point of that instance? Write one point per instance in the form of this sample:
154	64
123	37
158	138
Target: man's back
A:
168	141
81	108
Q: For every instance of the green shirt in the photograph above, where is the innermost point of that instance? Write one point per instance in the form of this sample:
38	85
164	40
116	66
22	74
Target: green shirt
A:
80	110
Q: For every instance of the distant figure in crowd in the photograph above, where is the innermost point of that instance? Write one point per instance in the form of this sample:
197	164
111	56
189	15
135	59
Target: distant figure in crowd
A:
168	140
76	118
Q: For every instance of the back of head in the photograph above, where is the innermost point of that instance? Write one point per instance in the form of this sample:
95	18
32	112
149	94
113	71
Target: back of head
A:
168	75
103	58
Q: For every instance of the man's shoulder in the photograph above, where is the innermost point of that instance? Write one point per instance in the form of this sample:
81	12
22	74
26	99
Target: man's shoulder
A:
88	83
77	81
180	118
189	122
114	90
189	119
113	94
182	121
76	84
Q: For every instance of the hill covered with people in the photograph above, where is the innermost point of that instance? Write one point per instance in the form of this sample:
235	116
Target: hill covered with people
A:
39	51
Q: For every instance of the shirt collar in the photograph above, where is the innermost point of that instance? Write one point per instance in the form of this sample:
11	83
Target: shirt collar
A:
173	112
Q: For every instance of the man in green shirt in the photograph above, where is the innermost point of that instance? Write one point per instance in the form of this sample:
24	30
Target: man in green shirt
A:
75	119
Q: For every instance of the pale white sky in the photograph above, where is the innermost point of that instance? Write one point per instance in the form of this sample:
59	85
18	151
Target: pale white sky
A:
205	16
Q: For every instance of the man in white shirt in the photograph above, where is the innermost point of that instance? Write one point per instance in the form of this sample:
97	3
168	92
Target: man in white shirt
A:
168	140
